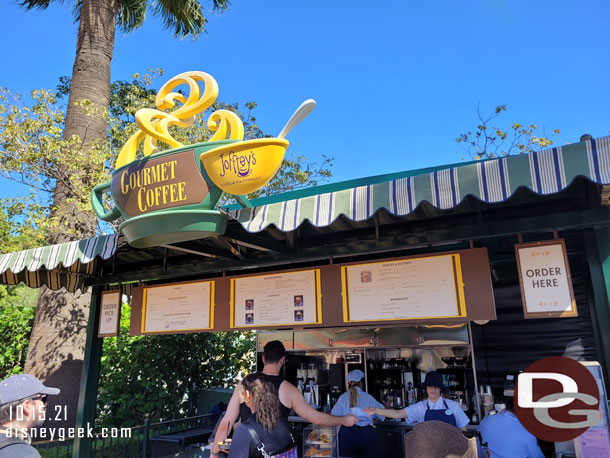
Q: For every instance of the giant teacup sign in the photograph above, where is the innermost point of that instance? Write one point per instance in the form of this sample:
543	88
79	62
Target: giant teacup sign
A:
170	196
544	274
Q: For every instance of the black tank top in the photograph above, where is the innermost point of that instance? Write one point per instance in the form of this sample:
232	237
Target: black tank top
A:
245	412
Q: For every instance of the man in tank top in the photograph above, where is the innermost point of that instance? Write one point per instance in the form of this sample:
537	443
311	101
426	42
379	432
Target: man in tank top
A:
274	354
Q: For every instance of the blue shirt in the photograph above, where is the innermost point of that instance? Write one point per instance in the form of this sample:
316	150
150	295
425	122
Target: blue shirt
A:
507	438
364	400
417	412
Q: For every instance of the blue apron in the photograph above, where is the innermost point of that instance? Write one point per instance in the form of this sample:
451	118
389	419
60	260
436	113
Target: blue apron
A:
445	415
358	442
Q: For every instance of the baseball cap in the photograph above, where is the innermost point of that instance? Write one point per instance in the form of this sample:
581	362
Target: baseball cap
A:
22	386
355	376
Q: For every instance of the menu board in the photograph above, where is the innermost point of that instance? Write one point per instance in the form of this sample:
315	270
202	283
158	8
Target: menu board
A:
404	289
284	299
178	307
544	275
110	314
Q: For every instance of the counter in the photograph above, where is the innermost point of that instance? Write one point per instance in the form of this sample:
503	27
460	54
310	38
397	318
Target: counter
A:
391	434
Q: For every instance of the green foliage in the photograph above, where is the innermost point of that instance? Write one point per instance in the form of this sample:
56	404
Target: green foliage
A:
489	141
15	328
155	374
33	153
21	223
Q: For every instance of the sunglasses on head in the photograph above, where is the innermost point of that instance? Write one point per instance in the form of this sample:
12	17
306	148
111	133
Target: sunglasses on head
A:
42	397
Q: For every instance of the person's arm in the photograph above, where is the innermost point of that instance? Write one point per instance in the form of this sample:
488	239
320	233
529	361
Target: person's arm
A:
391	413
228	420
379	405
461	419
297	402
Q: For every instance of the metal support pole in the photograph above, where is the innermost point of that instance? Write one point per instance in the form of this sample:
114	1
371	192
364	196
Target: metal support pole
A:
145	437
89	379
474	372
598	256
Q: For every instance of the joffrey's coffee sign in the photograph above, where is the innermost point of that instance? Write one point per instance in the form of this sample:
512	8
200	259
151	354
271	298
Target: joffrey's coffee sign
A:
170	196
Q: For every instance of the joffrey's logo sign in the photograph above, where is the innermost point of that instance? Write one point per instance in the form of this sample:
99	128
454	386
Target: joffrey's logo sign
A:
239	164
171	196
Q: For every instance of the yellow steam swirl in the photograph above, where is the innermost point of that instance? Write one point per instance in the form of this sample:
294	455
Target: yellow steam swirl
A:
154	124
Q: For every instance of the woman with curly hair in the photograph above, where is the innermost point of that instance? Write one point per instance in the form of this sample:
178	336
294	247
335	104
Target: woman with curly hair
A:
265	434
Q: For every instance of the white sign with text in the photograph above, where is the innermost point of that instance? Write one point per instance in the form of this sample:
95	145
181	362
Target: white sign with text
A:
178	307
110	313
544	273
290	298
402	289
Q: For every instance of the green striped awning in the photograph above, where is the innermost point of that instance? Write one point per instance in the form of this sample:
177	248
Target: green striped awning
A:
63	265
493	181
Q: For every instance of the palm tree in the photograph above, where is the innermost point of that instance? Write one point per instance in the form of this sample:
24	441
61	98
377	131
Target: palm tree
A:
57	341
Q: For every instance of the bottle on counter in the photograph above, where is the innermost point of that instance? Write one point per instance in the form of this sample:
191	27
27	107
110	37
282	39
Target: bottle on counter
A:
488	400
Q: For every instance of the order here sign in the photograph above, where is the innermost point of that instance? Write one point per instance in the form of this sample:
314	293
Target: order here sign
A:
544	274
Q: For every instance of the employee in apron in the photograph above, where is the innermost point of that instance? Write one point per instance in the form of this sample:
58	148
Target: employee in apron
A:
361	440
434	408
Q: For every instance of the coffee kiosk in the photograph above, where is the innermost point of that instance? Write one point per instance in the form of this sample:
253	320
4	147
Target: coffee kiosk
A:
395	275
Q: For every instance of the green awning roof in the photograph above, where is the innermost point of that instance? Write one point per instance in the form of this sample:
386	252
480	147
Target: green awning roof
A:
493	181
64	265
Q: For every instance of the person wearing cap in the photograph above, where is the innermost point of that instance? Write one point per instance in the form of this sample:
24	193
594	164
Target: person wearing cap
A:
23	401
361	440
290	396
435	407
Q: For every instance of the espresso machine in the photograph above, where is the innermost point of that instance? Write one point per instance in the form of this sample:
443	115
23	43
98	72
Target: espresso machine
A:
311	391
301	377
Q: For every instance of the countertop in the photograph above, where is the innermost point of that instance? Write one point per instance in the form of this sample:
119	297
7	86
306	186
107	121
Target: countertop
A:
388	423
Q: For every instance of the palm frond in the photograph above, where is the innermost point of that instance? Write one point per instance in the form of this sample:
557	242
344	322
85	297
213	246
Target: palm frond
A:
78	6
131	14
36	4
185	17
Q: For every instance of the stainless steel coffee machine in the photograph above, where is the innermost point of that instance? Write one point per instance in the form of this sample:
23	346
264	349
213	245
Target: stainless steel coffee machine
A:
311	392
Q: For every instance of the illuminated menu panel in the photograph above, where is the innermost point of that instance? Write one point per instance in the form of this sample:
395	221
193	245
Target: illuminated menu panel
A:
283	299
178	307
403	289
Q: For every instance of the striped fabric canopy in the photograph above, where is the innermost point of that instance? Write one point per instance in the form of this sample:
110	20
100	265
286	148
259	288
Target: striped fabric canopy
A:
545	172
64	265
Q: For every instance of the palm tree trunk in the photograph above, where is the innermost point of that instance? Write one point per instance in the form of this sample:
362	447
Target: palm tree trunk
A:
57	343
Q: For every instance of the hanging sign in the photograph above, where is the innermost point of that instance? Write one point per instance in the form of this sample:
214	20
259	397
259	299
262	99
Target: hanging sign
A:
283	299
171	196
544	275
403	289
110	313
178	307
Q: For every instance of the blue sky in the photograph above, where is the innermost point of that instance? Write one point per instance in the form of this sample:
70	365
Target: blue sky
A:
395	81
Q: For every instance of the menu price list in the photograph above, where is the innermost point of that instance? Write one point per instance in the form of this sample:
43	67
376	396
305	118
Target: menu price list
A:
403	289
276	299
180	307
